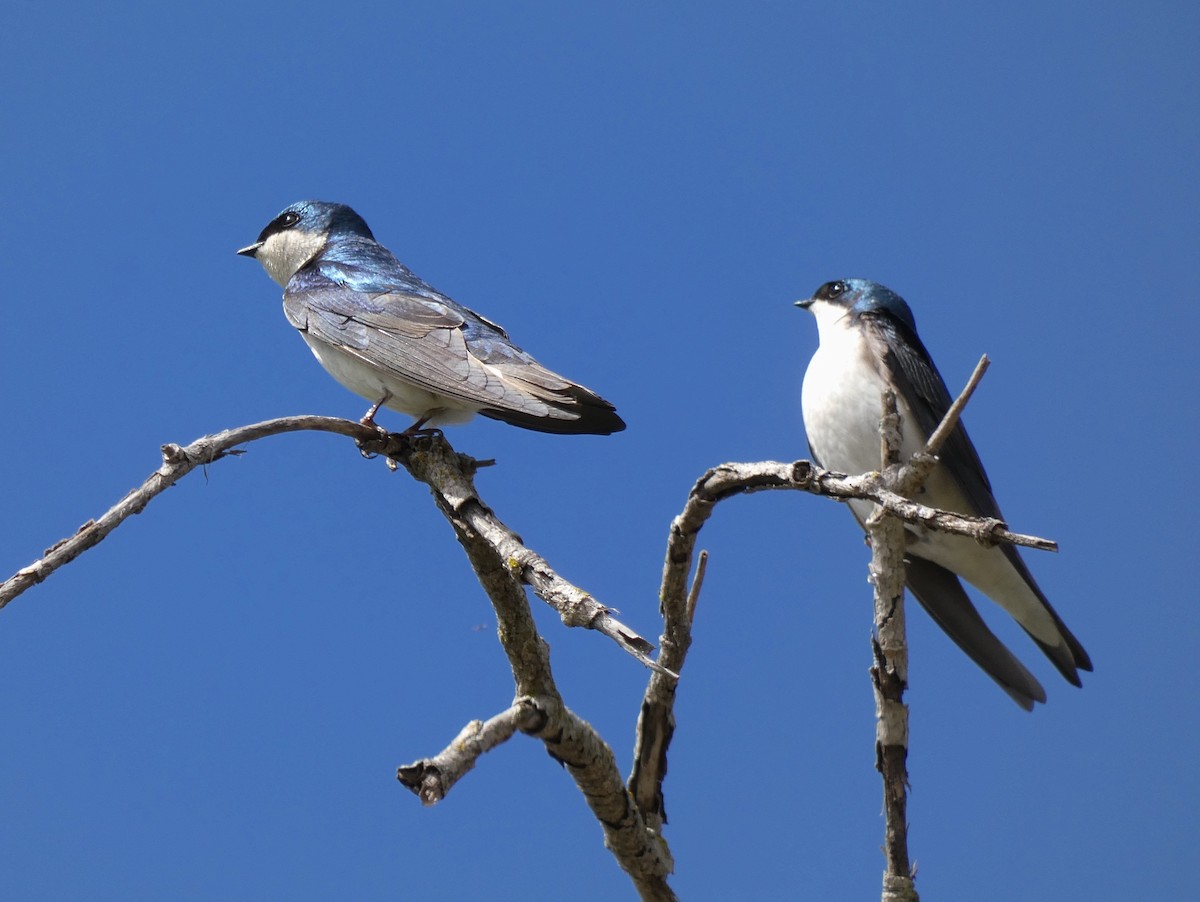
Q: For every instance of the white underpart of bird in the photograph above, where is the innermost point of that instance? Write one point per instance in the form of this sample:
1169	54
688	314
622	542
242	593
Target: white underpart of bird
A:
372	382
842	405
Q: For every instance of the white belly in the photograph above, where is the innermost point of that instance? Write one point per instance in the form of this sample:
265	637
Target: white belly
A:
373	384
842	400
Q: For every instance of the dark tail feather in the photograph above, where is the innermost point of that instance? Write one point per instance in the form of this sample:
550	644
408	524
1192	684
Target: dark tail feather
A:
942	595
1068	659
584	413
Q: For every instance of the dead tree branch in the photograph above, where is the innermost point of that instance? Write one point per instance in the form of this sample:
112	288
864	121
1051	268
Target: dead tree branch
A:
889	644
656	720
177	463
574	606
432	778
889	667
631	814
504	566
539	709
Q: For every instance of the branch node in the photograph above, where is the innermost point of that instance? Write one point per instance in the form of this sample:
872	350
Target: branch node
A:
802	474
173	454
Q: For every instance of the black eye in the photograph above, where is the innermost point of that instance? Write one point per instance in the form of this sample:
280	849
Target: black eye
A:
832	290
288	219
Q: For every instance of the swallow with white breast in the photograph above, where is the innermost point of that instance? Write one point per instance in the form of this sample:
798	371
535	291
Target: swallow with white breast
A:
385	334
868	341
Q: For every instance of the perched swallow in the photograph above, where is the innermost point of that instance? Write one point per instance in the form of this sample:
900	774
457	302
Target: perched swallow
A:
383	333
868	341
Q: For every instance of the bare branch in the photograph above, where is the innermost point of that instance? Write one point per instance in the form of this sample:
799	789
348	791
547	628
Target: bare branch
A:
177	463
640	851
985	530
568	738
432	778
631	817
503	564
656	720
889	644
889	670
447	473
431	460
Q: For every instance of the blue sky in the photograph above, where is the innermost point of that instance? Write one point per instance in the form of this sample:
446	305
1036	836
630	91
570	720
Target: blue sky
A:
212	703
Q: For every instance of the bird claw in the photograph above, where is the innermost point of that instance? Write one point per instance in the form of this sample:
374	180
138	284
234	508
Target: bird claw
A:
414	432
368	418
418	428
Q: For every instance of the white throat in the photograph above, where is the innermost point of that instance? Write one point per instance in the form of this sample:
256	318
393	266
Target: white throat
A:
832	319
285	252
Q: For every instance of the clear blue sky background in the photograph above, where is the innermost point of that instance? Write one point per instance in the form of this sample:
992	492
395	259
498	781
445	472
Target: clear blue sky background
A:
213	702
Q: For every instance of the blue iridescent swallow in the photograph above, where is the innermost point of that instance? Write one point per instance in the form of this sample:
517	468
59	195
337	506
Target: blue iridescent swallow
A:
868	340
383	333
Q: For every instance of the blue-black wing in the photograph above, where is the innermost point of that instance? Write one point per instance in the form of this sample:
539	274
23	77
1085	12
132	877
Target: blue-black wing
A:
917	378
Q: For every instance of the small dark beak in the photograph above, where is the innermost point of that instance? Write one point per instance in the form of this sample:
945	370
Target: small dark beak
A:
251	250
806	303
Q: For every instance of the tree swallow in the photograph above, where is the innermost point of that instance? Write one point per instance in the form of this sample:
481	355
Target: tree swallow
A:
383	333
868	340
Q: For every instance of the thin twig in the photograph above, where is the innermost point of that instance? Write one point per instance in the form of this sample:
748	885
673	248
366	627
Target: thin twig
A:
923	462
933	447
697	584
177	463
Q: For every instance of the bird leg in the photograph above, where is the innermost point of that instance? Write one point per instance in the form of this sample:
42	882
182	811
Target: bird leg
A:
368	418
417	427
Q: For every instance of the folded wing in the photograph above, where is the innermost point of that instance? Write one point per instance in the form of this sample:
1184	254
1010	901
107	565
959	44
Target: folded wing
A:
436	344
